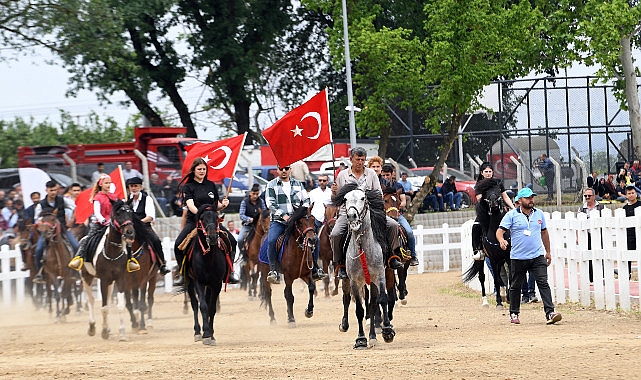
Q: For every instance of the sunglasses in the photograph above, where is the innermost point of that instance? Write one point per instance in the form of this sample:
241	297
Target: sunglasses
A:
587	196
322	180
285	168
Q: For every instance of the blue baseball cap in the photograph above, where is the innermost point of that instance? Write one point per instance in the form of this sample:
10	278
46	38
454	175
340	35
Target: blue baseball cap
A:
525	192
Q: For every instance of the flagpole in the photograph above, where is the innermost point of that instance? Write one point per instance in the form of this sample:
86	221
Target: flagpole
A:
231	180
348	69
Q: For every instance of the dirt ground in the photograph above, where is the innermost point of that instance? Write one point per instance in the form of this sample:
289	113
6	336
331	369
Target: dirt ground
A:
443	332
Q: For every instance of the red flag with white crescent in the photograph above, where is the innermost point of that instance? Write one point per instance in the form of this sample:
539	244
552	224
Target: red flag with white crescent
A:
301	132
84	208
221	157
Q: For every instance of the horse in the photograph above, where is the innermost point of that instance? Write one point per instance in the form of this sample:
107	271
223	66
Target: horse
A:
27	236
298	243
253	241
141	285
364	261
497	256
325	249
58	276
392	202
208	263
110	266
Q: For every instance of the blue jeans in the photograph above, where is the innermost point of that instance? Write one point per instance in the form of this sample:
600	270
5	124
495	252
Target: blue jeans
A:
275	230
411	241
241	236
538	268
40	247
435	201
528	290
453	199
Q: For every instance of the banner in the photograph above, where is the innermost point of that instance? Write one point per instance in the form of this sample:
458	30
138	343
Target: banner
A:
301	132
221	157
84	208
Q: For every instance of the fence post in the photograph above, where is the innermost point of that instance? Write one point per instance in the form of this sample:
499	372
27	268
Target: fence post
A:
420	252
446	248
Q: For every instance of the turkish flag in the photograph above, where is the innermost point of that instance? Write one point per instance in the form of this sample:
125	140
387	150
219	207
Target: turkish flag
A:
301	132
221	157
84	208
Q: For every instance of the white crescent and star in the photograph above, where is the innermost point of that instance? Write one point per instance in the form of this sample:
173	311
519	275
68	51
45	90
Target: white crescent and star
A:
298	131
225	160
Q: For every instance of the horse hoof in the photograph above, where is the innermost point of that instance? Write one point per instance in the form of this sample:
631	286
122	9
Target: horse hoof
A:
123	339
335	292
500	307
361	344
198	337
388	334
291	324
404	301
134	325
105	334
343	328
308	313
92	329
373	342
209	342
273	322
143	332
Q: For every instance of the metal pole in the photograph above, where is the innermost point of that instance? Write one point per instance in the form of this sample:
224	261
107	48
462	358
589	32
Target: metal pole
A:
348	69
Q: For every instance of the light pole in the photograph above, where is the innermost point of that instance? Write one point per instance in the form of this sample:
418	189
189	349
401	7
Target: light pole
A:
348	69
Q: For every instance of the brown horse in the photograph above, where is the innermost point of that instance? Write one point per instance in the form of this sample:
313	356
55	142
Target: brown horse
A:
141	285
392	201
110	266
27	237
297	262
253	247
57	274
325	251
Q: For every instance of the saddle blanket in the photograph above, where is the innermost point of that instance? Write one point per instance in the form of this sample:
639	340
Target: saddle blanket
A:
263	256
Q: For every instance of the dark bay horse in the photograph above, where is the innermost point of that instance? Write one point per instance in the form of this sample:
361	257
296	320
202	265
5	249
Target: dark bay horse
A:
364	261
253	248
57	274
392	202
497	256
325	250
207	264
110	266
297	262
27	235
141	285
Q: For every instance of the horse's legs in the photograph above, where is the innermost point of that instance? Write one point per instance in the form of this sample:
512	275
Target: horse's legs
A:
90	306
402	284
361	340
130	307
142	306
120	296
253	288
212	304
498	283
193	298
289	297
105	291
386	301
372	309
309	311
150	301
204	312
480	264
347	299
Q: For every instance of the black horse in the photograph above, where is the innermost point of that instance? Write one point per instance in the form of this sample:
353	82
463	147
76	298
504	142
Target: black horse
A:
496	209
207	267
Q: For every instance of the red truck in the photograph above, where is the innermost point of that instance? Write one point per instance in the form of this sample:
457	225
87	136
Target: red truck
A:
154	150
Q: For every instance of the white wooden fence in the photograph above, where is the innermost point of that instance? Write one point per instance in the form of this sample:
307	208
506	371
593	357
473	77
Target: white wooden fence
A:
568	273
12	278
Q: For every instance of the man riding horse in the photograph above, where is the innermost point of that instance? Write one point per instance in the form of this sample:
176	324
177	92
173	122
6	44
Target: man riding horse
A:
250	210
484	183
368	179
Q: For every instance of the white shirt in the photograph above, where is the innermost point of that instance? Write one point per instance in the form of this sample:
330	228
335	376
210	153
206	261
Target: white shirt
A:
150	210
320	198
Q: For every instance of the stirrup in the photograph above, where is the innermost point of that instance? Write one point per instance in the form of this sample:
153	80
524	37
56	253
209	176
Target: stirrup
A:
132	265
76	263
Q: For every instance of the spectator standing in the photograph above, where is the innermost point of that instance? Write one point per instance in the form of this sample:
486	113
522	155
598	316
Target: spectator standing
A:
547	170
9	213
593	181
129	172
633	203
100	168
300	172
589	206
450	195
30	211
530	251
157	190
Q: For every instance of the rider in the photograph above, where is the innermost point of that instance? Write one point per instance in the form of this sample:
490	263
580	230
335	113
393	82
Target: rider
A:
319	197
198	191
368	179
52	204
250	210
144	209
102	199
484	183
387	173
283	193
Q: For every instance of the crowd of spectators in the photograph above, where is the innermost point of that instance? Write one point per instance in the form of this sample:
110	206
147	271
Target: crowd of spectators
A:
611	187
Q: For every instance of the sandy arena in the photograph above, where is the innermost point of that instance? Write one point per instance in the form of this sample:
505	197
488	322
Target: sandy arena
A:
441	333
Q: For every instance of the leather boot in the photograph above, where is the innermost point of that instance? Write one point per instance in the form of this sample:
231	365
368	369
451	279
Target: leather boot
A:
180	281
342	272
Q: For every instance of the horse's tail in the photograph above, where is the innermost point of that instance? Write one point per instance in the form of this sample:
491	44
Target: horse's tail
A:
473	270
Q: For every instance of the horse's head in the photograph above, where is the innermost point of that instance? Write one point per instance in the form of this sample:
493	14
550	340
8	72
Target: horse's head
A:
49	226
494	200
208	223
356	206
331	213
122	221
392	200
302	226
264	221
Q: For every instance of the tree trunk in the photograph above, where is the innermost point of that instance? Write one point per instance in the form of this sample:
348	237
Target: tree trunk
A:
431	181
631	93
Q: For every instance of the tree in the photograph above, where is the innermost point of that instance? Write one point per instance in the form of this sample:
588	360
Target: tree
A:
608	32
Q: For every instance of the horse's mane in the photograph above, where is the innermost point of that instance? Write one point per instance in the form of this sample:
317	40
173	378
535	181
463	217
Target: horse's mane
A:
389	190
377	211
485	184
206	207
298	214
117	205
265	214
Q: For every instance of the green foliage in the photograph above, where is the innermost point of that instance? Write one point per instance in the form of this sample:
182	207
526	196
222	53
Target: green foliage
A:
22	132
